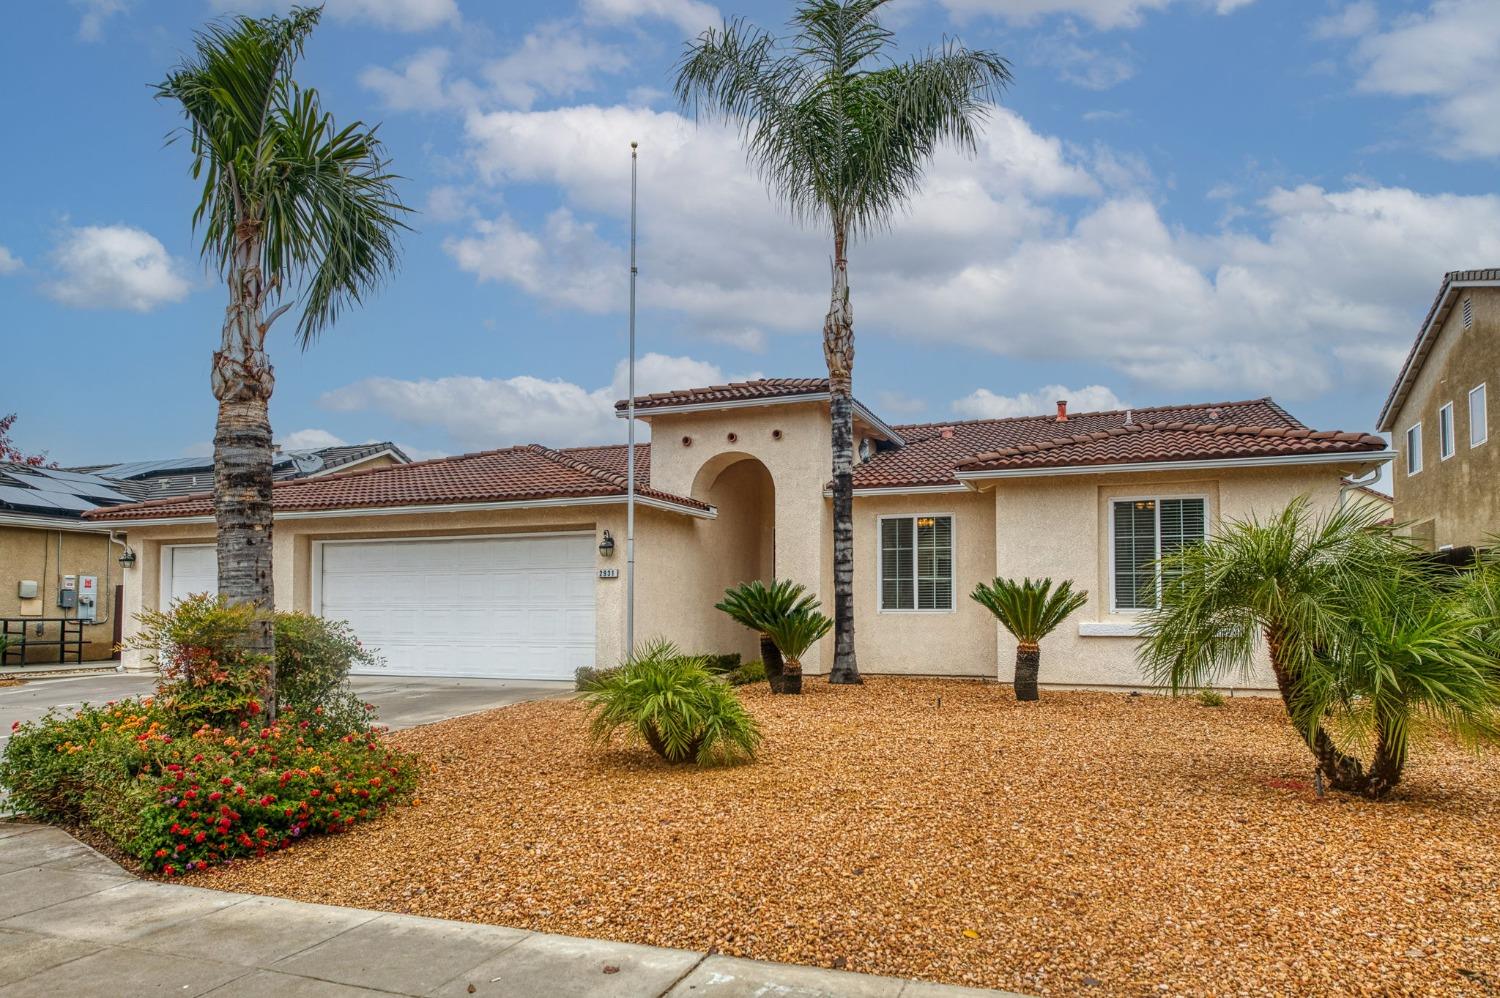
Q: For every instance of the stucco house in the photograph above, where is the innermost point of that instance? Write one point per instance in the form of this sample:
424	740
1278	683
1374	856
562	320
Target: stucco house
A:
509	563
1438	413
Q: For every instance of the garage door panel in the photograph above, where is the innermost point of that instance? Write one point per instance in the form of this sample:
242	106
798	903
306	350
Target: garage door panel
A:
502	607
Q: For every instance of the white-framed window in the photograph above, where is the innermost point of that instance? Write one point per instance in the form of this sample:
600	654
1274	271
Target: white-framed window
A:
1445	432
1413	449
916	562
1141	531
1479	415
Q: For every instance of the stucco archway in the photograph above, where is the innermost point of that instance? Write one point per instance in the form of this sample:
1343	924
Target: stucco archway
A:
740	545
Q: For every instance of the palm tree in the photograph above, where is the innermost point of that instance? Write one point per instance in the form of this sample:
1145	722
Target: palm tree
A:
841	133
794	632
1366	640
294	210
757	605
1030	610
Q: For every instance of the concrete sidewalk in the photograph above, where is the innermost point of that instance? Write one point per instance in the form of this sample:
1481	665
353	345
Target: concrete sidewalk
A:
73	923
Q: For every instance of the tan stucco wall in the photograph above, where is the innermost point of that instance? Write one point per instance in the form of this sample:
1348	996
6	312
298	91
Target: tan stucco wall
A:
1059	528
32	553
1454	502
960	642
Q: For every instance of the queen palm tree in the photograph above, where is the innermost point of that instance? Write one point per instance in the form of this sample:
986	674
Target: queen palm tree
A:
1368	642
841	132
1030	610
294	211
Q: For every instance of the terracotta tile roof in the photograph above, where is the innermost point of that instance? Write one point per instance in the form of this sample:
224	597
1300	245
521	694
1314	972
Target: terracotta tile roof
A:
611	458
529	472
764	388
1424	341
935	451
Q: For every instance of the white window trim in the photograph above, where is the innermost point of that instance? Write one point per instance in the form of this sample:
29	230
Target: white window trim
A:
1447	443
880	561
1128	611
1412	470
1485	413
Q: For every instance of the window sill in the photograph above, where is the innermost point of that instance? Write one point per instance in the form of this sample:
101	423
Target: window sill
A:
1111	629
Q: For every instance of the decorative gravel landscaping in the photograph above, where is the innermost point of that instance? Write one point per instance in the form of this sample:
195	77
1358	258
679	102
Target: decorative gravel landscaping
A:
1092	842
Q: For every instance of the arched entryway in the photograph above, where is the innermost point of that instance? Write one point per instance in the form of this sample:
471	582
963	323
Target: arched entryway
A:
740	544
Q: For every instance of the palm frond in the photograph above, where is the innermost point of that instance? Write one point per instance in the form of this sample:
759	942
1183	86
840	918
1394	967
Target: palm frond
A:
1030	609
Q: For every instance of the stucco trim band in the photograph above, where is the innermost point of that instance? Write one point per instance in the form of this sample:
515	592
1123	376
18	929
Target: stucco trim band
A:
860	411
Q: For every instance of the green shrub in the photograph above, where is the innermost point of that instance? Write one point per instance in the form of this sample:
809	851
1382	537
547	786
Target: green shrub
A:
721	664
674	705
206	677
1212	698
179	799
313	659
588	677
750	672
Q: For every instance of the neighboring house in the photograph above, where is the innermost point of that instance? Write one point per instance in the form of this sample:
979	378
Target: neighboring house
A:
1441	418
45	541
1367	497
510	563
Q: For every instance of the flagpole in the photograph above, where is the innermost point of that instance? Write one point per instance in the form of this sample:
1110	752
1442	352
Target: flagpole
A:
630	446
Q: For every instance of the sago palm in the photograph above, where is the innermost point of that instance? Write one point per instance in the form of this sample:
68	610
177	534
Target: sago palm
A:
1367	643
794	633
841	132
295	210
1030	610
755	604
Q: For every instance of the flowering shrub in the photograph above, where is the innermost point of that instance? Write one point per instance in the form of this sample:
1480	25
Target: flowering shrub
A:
207	677
185	799
313	660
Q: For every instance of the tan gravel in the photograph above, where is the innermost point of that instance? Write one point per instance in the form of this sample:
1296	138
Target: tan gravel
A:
1092	843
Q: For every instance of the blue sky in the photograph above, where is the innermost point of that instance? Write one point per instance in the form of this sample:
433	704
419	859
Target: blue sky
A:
1180	200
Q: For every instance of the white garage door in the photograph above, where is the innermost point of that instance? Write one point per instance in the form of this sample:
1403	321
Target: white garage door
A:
503	607
188	569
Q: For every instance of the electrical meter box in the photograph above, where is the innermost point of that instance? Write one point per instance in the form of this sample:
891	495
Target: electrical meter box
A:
88	597
67	593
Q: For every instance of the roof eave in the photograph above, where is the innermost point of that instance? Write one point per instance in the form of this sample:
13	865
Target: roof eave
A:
310	514
1344	457
1385	423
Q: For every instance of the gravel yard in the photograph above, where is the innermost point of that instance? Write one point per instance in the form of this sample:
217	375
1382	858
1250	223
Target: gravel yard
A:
1092	843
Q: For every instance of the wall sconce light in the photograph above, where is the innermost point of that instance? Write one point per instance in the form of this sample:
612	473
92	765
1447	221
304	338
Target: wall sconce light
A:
607	546
127	557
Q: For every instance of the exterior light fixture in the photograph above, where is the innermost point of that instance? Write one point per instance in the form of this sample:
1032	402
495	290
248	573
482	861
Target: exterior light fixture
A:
127	557
607	546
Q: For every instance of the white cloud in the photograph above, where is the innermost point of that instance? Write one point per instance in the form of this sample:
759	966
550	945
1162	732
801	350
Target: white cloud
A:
692	16
1089	68
394	15
1100	13
418	85
309	439
899	404
985	404
1449	55
556	60
1350	21
9	262
486	413
95	13
567	263
114	266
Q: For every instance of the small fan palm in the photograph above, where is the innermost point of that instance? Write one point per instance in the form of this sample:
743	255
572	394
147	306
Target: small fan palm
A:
1368	643
673	704
759	607
1030	610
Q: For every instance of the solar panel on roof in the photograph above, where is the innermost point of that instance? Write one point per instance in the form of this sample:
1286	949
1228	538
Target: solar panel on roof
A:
25	497
63	500
82	485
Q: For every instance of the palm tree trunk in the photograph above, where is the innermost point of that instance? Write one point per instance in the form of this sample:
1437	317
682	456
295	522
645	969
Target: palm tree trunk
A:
791	676
1028	663
770	656
1343	772
838	351
242	382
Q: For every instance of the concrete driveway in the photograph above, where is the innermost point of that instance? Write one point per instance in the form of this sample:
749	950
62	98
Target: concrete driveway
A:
402	702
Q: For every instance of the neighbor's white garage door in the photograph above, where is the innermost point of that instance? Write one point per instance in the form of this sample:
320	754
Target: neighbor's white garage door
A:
188	569
503	607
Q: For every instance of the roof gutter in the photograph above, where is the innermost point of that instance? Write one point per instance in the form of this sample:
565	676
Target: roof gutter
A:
345	511
1344	457
51	523
869	417
1386	421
